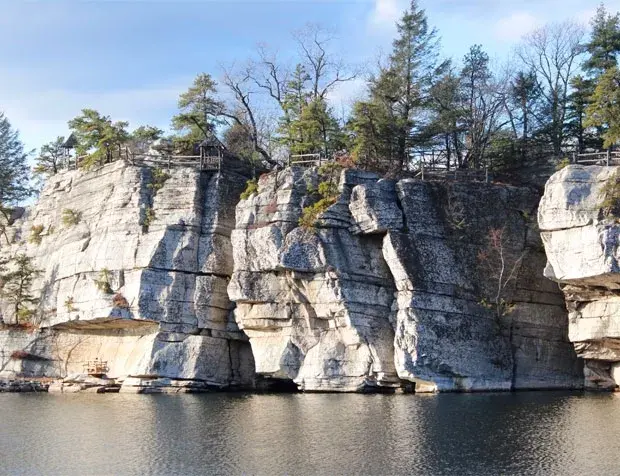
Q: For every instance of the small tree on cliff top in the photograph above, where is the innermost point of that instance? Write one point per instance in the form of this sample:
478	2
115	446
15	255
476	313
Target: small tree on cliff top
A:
97	136
49	158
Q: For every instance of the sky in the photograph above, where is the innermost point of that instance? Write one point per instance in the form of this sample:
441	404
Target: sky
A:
132	59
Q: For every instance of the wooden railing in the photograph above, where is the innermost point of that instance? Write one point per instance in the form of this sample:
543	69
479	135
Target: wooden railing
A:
607	158
204	163
469	175
306	160
208	163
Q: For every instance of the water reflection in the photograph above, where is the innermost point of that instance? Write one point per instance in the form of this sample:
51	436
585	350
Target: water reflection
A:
521	433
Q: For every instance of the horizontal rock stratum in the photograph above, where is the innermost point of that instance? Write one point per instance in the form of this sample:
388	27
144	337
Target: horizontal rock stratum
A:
137	277
389	287
578	218
178	285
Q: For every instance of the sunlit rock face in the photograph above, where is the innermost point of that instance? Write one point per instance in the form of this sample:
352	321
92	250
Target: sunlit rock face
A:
134	268
581	241
388	288
314	303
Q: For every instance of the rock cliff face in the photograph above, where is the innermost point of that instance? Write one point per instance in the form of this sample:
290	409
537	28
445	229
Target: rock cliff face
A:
135	263
581	233
398	284
436	286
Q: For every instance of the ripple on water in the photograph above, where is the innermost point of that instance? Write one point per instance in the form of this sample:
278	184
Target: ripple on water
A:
520	433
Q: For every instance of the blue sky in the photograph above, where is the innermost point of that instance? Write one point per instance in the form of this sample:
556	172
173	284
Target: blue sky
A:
131	59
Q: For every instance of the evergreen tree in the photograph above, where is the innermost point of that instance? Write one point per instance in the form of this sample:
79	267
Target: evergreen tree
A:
524	92
370	135
408	76
142	137
579	99
604	44
14	173
604	110
398	93
238	141
50	157
97	136
16	287
200	110
297	96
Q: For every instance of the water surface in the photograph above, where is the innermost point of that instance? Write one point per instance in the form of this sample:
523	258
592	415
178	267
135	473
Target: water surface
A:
519	433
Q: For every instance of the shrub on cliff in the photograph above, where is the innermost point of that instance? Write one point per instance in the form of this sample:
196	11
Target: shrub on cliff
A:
103	282
610	194
35	234
251	186
70	217
158	180
327	190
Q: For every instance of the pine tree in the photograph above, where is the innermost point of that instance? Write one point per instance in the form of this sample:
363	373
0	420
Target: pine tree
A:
579	99
408	77
481	105
398	93
50	157
200	110
604	44
97	136
370	138
142	137
16	287
604	109
238	142
14	173
290	131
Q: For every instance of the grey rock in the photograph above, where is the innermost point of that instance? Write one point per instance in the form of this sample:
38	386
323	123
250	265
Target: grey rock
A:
167	278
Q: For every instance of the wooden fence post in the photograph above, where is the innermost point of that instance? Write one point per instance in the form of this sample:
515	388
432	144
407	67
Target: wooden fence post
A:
486	174
608	156
422	170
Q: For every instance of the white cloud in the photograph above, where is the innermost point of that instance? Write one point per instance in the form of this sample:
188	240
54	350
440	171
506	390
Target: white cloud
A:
512	27
386	13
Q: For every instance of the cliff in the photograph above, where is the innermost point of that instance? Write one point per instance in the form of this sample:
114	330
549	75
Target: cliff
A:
180	286
578	219
390	287
135	263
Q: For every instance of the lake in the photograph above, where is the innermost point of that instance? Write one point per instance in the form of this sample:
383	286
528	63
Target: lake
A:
511	433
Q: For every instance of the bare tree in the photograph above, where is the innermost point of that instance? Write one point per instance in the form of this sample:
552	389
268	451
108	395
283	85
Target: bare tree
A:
244	114
269	74
552	52
326	71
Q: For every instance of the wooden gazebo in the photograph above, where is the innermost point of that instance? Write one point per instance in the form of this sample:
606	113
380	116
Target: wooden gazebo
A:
211	152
